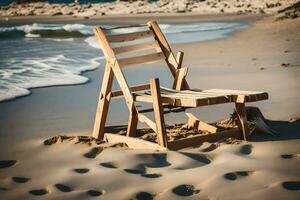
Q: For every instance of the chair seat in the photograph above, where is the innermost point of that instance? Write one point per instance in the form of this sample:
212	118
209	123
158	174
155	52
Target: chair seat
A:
196	97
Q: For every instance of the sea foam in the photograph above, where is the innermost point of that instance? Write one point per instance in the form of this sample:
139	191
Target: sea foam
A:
33	73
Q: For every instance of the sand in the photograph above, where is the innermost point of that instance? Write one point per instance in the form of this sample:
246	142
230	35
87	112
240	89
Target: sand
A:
265	168
261	170
142	7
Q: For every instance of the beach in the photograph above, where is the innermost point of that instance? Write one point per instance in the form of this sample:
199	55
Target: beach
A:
264	56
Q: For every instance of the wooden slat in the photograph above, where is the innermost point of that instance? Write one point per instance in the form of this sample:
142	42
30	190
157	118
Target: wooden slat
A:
189	93
235	92
253	97
125	26
231	95
250	96
169	110
179	59
199	139
149	122
165	92
103	102
184	102
194	122
130	36
134	143
132	89
158	113
179	78
242	117
148	99
132	122
136	47
140	59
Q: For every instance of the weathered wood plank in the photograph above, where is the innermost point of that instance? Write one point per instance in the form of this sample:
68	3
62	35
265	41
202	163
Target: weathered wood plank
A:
132	89
199	139
179	78
179	59
132	122
158	113
182	101
103	102
140	59
242	117
130	36
136	47
194	122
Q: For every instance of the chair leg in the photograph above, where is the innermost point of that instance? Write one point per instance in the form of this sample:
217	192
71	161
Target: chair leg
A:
132	124
242	118
103	104
158	113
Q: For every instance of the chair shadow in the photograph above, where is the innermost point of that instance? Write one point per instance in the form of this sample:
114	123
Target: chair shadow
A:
285	130
116	129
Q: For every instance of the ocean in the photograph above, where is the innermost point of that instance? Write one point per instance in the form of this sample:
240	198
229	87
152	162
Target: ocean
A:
42	55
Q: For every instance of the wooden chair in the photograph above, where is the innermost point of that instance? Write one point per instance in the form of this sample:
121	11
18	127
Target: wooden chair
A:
178	98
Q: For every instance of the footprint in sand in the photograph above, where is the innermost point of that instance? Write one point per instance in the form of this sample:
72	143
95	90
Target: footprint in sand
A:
95	193
151	175
81	170
291	185
185	190
20	179
196	160
112	165
144	196
198	157
246	149
154	160
138	169
210	148
3	189
135	171
63	188
7	163
290	156
94	152
234	175
39	192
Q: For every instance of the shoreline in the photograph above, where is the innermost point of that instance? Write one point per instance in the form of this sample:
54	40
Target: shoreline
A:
135	18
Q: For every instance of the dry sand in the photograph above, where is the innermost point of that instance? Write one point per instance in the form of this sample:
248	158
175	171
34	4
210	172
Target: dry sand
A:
144	6
266	168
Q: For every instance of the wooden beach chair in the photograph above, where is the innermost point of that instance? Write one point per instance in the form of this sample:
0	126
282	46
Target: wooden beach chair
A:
164	100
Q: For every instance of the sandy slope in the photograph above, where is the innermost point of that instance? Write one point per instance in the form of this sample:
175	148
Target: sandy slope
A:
265	170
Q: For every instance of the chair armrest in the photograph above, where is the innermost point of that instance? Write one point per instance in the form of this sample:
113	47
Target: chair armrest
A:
179	78
179	59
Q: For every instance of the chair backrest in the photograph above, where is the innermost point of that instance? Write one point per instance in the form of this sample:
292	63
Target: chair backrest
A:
145	38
